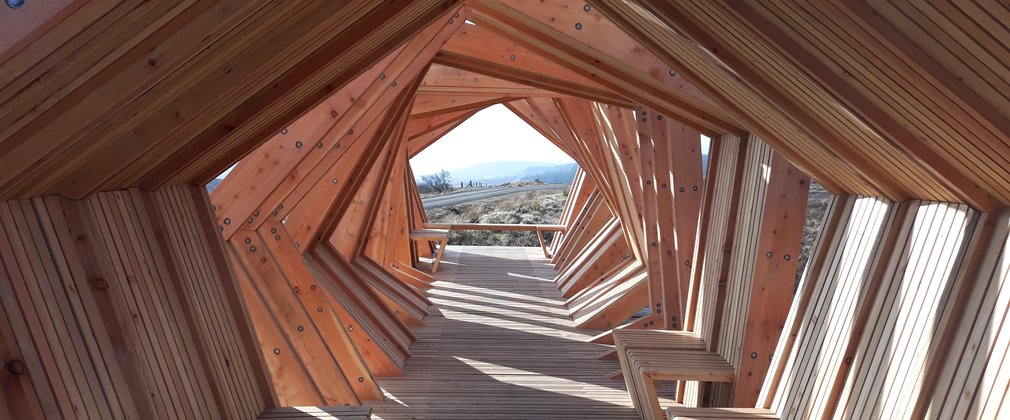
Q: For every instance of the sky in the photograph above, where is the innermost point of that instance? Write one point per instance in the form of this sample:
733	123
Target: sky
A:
493	134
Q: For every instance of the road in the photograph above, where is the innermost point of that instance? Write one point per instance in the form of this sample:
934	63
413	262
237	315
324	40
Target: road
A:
473	195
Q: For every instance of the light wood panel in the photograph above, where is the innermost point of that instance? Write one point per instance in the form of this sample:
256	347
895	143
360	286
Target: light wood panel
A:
122	305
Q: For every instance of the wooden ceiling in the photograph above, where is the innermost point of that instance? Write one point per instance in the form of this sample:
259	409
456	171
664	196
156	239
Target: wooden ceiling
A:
892	99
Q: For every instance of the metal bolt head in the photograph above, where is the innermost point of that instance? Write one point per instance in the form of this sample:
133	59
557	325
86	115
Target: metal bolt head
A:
586	7
578	26
512	57
284	130
273	230
361	379
227	221
753	355
768	254
16	366
252	249
298	144
334	181
301	328
319	145
277	350
319	309
248	240
278	237
787	257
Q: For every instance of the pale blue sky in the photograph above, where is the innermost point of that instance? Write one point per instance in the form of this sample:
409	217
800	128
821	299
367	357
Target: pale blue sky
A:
493	134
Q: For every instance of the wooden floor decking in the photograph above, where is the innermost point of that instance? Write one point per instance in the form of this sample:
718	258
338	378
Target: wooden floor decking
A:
502	347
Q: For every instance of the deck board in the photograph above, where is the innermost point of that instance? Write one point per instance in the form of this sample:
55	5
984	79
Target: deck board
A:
502	346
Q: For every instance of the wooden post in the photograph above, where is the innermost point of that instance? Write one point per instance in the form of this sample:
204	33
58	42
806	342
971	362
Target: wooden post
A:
774	277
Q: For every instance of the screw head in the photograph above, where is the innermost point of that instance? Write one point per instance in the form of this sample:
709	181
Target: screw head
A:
768	254
754	355
284	130
578	26
227	221
252	249
248	240
512	57
586	7
277	350
301	328
298	144
16	366
319	309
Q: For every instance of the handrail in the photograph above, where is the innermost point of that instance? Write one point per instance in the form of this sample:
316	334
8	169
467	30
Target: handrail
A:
506	227
509	227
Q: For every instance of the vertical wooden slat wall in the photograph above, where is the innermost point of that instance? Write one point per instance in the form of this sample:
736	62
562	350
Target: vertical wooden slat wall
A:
123	305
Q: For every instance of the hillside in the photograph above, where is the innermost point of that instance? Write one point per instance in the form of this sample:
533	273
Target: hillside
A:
533	207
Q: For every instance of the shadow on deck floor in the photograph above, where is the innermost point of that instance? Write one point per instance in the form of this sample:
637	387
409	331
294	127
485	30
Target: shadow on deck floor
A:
502	347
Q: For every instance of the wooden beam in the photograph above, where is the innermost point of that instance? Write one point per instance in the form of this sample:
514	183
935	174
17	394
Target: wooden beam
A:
555	29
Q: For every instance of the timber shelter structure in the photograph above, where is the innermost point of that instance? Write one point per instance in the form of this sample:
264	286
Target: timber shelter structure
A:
307	285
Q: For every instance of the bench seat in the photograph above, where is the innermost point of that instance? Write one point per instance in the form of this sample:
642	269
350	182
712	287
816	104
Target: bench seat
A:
441	236
687	413
646	367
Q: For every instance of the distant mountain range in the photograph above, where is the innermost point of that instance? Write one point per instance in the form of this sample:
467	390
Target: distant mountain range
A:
496	173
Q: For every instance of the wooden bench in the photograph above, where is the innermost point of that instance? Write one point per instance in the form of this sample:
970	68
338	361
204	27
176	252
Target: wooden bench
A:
646	367
316	413
440	236
504	227
688	413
